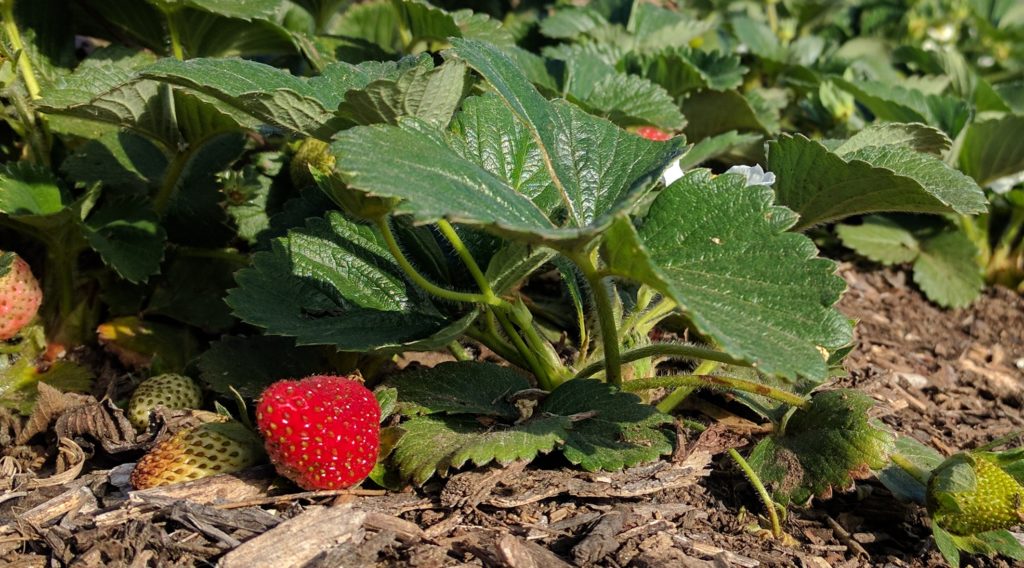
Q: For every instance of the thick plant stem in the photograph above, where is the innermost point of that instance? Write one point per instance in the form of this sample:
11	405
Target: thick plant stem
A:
769	503
679	350
612	363
716	382
24	63
419	279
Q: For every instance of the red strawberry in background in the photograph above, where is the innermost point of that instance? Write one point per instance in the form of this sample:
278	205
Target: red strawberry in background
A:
654	133
322	432
20	295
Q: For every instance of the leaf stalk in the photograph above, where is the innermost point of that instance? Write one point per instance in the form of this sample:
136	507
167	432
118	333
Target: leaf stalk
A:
766	499
612	362
717	382
679	350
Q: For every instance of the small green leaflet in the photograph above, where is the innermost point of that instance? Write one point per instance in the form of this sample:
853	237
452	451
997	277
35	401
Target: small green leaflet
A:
334	282
943	257
825	446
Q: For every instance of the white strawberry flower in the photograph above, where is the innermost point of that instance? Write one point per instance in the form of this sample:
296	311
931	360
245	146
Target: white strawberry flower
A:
755	174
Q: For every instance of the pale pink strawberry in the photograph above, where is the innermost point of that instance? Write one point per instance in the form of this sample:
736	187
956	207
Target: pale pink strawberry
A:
20	295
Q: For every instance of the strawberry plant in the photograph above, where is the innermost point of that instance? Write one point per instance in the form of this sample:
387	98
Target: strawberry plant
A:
596	209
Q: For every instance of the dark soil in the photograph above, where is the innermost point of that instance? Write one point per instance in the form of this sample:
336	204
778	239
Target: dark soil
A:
951	379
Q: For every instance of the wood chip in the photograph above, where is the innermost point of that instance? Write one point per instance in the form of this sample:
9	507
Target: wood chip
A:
297	541
603	538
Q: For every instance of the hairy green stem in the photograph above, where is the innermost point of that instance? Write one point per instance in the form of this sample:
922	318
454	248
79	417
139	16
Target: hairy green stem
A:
769	503
496	343
612	362
716	382
649	316
419	279
462	250
921	475
676	397
28	74
172	175
35	129
458	352
172	30
678	350
524	350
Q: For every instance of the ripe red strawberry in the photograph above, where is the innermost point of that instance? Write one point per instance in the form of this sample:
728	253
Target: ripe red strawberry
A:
194	453
20	295
322	432
167	390
654	133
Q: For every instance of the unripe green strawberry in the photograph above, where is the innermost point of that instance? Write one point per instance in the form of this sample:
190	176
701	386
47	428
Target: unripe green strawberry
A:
194	453
322	432
312	152
969	494
317	155
167	390
20	295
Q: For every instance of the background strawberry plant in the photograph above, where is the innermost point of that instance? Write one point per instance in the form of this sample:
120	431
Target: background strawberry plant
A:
251	191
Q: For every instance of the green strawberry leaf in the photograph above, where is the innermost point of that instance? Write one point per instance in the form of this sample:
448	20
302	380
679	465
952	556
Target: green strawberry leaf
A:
126	232
428	23
990	544
993	148
914	135
333	282
881	239
596	169
571	22
822	185
242	9
105	88
245	200
826	445
681	71
626	100
30	191
947	271
943	256
594	425
467	387
117	158
191	290
275	96
250	364
896	103
431	94
714	147
622	432
758	291
711	113
436	444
